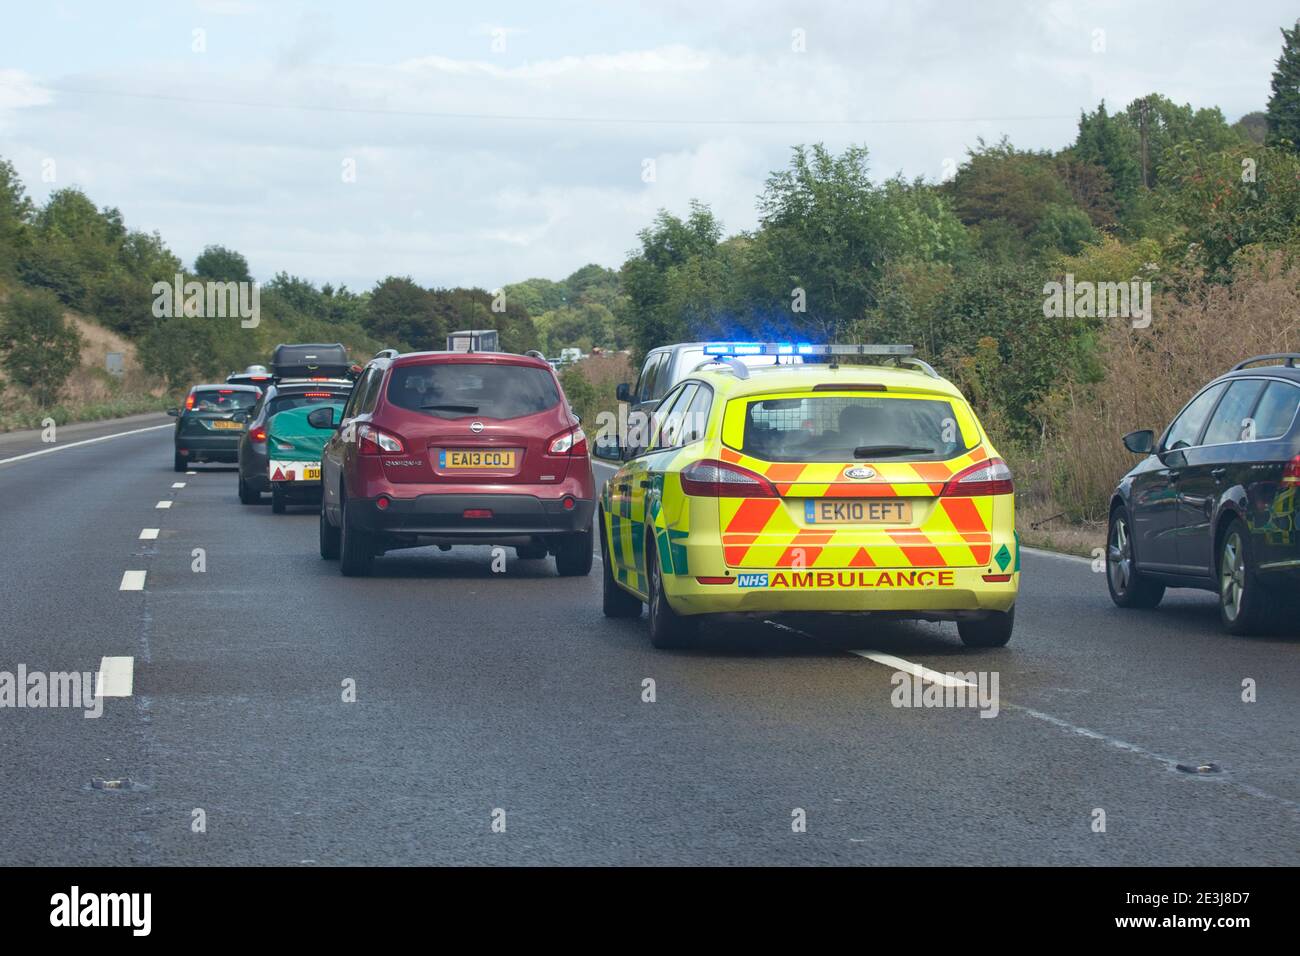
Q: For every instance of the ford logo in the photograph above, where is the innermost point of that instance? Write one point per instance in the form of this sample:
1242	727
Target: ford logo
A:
476	427
859	473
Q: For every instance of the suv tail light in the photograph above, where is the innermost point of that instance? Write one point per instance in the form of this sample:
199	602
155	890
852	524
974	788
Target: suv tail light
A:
1291	473
372	441
257	434
570	443
708	478
189	403
991	477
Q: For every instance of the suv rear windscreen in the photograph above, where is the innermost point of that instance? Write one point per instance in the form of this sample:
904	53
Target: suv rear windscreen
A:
282	403
848	428
451	390
222	400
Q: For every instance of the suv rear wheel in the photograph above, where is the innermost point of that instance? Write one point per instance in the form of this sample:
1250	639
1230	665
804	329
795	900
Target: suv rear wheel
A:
178	462
247	495
573	555
1128	586
356	552
329	535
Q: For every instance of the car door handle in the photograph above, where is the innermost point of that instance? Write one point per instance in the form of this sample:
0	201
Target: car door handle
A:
1172	477
624	486
646	484
1218	473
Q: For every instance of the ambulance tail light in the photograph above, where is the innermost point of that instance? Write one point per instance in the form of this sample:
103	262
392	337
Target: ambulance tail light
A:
991	477
708	478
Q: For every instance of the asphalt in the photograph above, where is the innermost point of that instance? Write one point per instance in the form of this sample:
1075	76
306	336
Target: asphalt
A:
508	696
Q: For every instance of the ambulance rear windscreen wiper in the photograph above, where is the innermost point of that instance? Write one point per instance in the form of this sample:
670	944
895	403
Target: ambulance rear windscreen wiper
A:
889	451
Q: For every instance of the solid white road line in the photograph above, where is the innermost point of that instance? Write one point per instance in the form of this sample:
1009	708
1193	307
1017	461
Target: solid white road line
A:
1078	558
132	581
116	677
149	534
178	484
916	670
163	504
77	444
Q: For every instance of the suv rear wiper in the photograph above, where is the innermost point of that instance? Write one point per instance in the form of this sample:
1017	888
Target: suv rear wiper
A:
450	407
876	451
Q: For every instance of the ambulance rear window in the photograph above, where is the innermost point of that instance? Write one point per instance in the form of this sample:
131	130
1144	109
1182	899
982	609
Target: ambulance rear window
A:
852	428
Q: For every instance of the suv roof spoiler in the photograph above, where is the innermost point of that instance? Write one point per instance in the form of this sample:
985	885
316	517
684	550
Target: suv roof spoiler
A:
1290	360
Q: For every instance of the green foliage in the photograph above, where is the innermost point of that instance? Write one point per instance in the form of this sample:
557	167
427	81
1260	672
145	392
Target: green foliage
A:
222	265
40	348
1284	105
1222	202
581	393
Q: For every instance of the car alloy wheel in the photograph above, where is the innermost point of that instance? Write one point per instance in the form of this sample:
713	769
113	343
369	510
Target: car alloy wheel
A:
1232	576
1119	556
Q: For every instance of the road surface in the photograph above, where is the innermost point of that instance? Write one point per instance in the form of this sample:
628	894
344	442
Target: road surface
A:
487	698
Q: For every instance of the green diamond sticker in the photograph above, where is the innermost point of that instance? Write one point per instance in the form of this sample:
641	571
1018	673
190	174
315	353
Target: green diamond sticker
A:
1003	557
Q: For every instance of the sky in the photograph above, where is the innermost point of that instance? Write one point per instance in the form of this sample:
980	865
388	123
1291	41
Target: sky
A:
478	144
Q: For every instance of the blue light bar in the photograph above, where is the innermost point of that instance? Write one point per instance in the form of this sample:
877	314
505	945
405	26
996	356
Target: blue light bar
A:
803	348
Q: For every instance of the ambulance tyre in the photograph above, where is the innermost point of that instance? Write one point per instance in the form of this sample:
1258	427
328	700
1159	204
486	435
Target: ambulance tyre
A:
247	496
668	629
277	500
615	602
991	631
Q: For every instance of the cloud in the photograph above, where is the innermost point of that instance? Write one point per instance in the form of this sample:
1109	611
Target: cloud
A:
475	167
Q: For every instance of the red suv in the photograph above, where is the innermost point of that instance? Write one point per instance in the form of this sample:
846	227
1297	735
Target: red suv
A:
456	448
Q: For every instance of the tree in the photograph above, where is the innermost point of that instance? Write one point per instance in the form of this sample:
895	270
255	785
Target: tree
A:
222	265
15	212
1284	104
401	313
41	348
1253	127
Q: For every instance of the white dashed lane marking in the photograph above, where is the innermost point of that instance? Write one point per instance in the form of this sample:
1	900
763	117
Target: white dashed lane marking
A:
178	484
149	534
132	581
116	677
163	504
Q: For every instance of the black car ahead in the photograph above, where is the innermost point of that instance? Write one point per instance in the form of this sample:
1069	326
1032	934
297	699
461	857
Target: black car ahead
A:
1213	505
209	424
254	480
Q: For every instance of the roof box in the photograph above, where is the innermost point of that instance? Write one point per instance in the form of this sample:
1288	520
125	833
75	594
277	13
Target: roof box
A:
310	361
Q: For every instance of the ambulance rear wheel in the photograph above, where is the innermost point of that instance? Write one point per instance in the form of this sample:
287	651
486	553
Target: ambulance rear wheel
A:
991	631
668	629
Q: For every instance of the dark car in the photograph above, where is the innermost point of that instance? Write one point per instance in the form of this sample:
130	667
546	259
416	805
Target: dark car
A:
210	423
254	463
1213	503
455	448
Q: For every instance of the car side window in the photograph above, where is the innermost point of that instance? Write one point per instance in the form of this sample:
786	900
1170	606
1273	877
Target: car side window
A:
1230	422
350	409
1186	429
661	415
697	417
1276	410
670	432
649	390
371	397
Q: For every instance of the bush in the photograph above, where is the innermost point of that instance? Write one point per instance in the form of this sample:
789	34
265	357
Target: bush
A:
40	348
